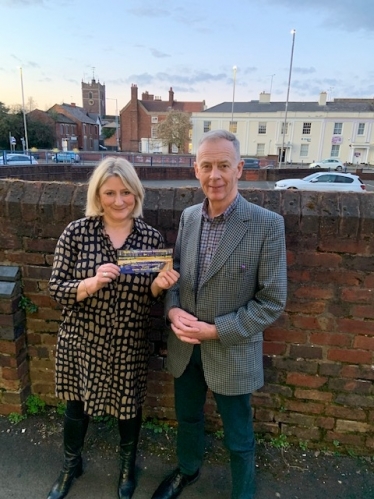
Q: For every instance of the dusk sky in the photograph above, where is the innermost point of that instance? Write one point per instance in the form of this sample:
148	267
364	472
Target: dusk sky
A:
188	45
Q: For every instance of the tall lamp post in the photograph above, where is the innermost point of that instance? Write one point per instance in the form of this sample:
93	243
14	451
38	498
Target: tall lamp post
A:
117	122
26	143
233	95
293	33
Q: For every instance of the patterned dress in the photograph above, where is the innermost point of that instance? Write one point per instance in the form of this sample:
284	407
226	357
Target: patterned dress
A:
102	347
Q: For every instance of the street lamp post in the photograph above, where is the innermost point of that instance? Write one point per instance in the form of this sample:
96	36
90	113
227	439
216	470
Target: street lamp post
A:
26	143
293	33
117	122
233	95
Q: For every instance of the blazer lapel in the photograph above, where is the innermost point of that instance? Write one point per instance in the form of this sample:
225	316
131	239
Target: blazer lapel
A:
234	232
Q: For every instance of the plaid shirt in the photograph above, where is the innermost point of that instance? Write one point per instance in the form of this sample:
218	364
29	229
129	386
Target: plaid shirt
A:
212	230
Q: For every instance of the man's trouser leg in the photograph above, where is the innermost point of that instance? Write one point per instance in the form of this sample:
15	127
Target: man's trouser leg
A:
236	414
190	394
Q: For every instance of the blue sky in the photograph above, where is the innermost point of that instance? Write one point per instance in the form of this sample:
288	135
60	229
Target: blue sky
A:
190	45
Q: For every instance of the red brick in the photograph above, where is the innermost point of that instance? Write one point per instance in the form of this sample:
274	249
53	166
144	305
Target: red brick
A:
299	379
274	348
352	356
304	407
338	411
313	395
358	371
355	326
336	339
345	438
364	311
321	260
313	307
289	336
313	292
364	343
357	295
298	275
326	423
339	277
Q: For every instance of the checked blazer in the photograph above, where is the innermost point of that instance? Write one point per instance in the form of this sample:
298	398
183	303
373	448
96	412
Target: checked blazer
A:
243	292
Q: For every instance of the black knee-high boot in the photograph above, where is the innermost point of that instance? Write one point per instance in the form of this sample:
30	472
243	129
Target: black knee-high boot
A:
129	432
74	433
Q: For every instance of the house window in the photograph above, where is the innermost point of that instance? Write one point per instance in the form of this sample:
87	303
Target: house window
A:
233	128
262	127
338	128
304	150
154	119
335	151
90	95
307	128
260	150
361	129
284	129
154	132
207	126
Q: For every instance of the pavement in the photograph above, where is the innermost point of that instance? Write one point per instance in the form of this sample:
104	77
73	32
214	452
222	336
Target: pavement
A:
31	457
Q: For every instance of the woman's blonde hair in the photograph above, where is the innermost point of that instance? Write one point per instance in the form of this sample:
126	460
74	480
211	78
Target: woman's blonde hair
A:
113	167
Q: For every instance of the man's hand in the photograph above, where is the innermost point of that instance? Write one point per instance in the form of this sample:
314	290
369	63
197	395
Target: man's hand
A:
189	329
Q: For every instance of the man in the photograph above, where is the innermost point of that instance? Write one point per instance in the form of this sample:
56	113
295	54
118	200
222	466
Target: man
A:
232	261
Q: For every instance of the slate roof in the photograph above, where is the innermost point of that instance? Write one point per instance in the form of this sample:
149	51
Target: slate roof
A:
79	113
337	105
159	106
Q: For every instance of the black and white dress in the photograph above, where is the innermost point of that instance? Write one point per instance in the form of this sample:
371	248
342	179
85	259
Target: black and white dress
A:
102	347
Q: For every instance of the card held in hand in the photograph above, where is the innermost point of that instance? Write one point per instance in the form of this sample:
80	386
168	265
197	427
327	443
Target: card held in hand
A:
145	261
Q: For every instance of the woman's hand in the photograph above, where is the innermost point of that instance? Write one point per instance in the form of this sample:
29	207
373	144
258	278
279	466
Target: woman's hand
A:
164	280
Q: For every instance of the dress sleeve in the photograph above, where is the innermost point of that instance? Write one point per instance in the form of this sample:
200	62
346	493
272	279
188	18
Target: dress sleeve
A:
63	284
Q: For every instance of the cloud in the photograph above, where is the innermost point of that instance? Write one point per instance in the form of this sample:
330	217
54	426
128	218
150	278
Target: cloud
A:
158	54
21	3
183	79
149	12
304	71
344	14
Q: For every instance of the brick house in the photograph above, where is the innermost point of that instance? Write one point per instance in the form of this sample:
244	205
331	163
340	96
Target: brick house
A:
65	129
87	128
139	119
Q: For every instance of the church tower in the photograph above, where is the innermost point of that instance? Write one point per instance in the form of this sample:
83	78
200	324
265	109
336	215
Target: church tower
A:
93	97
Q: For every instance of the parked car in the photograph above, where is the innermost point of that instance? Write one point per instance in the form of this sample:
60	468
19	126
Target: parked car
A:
251	163
66	157
331	163
17	159
324	181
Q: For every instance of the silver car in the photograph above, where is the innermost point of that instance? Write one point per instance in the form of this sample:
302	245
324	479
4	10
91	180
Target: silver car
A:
324	181
17	159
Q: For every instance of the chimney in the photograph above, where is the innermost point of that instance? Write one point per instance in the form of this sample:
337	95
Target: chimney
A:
73	104
264	98
134	92
145	95
322	99
171	97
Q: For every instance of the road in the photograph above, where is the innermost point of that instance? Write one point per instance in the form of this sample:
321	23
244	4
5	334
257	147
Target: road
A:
243	184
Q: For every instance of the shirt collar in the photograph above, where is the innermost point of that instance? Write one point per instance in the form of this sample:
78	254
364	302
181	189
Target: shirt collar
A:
224	216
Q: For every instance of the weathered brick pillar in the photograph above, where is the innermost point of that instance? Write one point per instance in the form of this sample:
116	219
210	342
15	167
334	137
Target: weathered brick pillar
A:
14	370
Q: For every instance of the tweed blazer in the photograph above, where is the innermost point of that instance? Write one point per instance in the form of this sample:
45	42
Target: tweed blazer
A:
243	292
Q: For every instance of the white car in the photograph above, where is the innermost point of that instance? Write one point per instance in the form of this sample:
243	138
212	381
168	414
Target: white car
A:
331	163
17	159
324	181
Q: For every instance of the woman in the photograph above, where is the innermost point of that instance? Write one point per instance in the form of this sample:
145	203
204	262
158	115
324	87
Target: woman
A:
102	348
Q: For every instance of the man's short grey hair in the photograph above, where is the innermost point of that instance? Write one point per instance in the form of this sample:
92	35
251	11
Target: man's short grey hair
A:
218	135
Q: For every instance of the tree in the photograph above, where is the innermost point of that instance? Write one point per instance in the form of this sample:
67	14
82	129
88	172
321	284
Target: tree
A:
174	130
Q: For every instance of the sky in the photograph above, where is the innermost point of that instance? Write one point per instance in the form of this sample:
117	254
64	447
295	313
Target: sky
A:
190	45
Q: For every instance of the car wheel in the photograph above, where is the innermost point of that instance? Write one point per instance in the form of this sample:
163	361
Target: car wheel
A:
292	188
338	168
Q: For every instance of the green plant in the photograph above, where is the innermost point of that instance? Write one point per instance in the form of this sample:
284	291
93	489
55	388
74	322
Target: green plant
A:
26	304
280	442
303	444
35	405
108	421
16	418
157	426
61	408
219	434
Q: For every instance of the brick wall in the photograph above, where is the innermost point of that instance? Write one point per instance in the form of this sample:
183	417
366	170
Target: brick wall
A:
318	356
